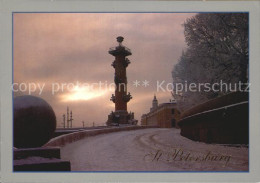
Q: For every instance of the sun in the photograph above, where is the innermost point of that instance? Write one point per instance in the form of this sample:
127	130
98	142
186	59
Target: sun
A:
82	94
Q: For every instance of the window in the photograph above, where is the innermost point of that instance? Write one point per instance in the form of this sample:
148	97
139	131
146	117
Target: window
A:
173	122
172	111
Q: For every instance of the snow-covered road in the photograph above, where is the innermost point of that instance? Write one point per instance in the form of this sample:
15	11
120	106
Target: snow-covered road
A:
154	149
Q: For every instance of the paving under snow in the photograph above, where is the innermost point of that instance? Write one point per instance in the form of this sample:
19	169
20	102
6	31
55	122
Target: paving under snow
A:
154	149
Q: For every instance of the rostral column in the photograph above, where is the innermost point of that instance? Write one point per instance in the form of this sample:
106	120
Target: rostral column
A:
121	97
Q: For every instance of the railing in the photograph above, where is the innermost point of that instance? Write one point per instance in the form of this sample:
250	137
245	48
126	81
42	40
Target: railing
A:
72	137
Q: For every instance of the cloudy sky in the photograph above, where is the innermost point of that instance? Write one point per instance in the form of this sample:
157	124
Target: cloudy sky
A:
64	52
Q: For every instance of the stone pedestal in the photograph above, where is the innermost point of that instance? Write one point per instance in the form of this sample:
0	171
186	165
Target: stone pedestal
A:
39	159
121	117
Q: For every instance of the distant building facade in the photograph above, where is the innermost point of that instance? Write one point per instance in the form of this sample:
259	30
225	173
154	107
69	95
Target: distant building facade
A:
164	115
154	104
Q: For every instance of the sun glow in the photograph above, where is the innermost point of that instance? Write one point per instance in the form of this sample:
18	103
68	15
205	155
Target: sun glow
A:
82	94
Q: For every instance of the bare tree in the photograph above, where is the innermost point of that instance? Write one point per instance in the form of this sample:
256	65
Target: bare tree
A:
217	50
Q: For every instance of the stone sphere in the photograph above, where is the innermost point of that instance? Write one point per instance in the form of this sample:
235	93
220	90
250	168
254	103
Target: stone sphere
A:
34	121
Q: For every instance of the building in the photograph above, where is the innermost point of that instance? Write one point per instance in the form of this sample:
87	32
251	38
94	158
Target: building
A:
154	104
164	115
121	97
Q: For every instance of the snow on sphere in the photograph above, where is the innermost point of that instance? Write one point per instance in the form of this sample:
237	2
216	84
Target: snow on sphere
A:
34	122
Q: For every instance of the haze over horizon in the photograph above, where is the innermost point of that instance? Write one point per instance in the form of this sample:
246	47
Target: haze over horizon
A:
51	49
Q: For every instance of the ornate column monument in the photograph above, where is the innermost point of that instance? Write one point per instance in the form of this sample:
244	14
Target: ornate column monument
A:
121	96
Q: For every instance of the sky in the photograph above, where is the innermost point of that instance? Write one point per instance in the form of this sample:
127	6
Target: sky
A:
63	58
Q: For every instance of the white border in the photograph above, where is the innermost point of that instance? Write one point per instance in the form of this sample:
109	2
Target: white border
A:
9	6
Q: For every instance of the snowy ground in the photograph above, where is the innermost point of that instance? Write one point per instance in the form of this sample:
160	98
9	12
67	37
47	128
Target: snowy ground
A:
155	149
